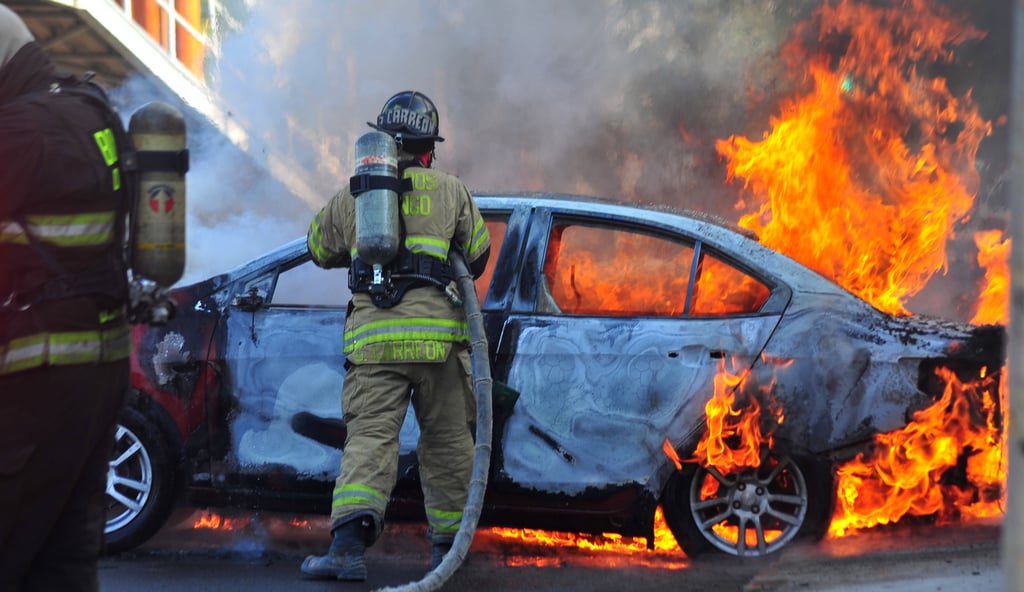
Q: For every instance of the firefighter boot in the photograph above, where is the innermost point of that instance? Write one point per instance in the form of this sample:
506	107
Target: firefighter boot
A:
438	549
344	560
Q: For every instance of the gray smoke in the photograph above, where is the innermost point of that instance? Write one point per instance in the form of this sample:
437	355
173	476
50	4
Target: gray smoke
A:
617	98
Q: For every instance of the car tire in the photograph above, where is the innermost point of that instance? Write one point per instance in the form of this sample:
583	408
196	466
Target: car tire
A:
786	499
141	482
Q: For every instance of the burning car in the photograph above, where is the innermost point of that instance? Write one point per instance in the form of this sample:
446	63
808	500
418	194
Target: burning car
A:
612	328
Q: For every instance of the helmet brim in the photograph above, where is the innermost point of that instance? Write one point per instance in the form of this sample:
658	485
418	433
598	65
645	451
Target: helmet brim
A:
410	136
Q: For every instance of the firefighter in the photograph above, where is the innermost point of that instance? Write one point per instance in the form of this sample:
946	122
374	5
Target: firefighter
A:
64	337
404	340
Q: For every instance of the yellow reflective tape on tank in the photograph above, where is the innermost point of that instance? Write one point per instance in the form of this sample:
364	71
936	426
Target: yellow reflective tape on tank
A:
358	495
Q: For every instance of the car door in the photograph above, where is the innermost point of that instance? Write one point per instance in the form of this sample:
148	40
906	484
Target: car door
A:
616	333
283	373
283	365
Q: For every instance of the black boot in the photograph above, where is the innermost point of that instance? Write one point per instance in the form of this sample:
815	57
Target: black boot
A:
344	560
438	549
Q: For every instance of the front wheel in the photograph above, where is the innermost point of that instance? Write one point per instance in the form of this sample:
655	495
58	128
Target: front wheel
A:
751	513
140	482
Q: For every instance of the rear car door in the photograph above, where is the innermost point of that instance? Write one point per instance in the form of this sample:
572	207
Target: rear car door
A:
615	334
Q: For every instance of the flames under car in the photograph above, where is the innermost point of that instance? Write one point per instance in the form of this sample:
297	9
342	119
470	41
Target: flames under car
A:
610	327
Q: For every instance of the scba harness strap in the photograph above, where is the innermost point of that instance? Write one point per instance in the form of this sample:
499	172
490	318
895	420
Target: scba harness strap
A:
388	284
407	271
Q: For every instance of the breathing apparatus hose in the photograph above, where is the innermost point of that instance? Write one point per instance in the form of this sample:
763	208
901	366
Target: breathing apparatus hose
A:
482	383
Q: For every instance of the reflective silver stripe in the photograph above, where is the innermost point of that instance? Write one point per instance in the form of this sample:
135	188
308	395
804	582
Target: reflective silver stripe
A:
429	245
359	496
68	231
444	522
479	235
65	348
406	330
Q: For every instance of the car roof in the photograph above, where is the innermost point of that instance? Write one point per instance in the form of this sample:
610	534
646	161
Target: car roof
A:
730	239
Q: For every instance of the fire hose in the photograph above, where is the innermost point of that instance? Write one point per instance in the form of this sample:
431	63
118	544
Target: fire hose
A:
482	383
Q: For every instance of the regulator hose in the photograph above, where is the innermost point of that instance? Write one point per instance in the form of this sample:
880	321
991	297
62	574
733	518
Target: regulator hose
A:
482	384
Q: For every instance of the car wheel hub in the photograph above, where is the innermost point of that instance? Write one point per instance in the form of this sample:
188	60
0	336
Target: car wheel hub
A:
129	480
751	514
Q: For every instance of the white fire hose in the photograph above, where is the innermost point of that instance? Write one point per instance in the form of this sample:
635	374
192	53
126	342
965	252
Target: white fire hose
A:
482	383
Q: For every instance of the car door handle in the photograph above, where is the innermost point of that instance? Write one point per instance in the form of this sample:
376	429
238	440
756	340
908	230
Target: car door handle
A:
716	354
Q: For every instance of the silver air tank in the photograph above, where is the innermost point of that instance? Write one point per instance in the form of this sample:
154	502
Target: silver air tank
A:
377	225
158	253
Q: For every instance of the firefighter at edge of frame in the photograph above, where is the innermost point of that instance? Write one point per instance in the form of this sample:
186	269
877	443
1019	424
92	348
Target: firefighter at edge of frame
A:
64	330
403	330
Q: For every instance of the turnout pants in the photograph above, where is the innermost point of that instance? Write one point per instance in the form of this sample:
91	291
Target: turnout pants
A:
375	398
56	432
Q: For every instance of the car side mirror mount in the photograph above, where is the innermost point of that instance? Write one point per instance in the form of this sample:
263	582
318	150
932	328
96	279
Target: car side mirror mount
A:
250	302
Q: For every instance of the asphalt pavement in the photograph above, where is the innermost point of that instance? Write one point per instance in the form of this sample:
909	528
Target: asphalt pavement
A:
262	553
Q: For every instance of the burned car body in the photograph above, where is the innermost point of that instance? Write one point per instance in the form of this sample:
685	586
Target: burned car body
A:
608	321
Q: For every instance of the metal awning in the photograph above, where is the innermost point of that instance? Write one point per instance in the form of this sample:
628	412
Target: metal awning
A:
101	36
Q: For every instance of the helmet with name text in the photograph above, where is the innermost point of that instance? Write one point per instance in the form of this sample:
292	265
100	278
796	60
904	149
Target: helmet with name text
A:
409	115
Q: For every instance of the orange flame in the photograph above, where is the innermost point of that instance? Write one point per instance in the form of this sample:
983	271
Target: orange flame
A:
607	544
734	438
212	521
864	176
915	471
994	257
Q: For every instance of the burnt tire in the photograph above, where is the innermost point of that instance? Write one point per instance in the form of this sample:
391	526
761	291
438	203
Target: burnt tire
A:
141	482
784	500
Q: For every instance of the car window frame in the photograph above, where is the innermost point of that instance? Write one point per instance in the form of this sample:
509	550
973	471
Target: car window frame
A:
527	297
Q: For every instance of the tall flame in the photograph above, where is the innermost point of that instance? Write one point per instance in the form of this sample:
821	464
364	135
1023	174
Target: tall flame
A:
864	175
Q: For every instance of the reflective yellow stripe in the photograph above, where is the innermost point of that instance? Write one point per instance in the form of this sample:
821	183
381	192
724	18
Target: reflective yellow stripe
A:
107	145
444	522
435	247
361	496
65	231
425	329
65	348
314	243
480	235
108	148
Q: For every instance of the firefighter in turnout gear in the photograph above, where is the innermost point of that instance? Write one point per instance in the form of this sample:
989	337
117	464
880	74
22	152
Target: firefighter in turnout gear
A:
65	336
406	339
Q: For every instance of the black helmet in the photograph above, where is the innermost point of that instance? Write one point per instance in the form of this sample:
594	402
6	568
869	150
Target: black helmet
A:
411	114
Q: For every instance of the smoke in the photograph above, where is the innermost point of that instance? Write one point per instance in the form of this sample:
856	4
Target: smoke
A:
616	98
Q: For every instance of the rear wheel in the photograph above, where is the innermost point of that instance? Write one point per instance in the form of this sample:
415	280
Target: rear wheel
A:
140	482
751	513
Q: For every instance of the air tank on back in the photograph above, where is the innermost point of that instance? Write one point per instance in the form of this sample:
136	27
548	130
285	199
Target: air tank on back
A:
377	224
158	133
